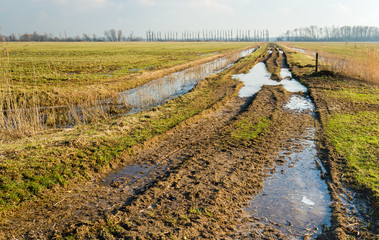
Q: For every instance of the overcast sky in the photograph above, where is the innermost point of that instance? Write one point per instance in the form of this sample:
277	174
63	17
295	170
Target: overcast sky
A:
94	16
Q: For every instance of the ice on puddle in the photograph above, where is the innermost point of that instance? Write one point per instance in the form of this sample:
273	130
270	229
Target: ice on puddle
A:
307	201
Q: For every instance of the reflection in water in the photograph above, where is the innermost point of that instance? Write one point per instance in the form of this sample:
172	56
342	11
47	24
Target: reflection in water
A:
173	85
295	196
126	174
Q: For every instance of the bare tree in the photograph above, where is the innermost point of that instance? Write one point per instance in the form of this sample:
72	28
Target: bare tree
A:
86	37
119	35
111	35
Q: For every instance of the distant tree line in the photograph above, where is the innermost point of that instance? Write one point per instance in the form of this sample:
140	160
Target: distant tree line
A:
209	35
113	35
109	36
342	34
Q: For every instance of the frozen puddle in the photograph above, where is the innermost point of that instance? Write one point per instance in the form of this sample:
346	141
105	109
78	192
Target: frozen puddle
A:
299	103
295	197
259	76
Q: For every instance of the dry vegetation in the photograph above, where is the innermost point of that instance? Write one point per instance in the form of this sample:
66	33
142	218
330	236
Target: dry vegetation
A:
358	60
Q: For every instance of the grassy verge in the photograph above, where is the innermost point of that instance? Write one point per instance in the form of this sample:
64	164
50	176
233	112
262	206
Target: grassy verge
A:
348	110
33	166
299	63
356	138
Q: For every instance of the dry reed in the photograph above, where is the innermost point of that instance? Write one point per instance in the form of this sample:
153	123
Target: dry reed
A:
363	65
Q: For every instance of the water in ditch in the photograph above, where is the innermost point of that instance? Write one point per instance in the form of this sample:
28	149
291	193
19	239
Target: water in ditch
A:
295	199
141	98
173	85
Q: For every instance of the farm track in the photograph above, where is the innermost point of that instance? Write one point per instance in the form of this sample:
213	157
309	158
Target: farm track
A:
203	175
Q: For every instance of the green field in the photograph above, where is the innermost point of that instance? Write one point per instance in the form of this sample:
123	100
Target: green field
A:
59	70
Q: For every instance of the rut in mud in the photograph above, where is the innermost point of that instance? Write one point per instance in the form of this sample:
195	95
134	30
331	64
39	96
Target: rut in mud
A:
193	182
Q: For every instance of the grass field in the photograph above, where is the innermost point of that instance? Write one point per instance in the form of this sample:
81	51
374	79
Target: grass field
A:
57	70
35	75
348	49
55	65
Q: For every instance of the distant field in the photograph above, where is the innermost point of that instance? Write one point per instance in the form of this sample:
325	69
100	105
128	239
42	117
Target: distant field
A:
55	66
347	49
76	63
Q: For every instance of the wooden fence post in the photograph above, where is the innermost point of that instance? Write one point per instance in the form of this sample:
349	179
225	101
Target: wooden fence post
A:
316	61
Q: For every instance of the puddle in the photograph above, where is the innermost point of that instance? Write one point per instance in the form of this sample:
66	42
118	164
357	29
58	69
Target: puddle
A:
259	76
285	73
133	70
355	206
295	197
126	174
159	91
299	104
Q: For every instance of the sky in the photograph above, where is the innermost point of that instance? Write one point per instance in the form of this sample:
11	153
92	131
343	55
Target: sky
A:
75	17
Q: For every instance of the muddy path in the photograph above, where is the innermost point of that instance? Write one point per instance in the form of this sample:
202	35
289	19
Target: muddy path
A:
195	181
96	200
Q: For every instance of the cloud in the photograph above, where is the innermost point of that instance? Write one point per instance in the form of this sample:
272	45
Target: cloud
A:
284	10
43	15
147	3
342	8
83	3
219	6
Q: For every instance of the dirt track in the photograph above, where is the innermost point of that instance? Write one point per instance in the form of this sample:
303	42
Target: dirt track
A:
204	179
